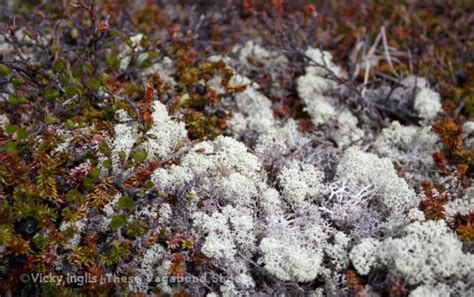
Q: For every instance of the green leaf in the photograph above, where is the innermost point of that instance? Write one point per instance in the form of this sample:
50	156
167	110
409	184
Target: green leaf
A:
87	69
74	33
94	173
70	91
50	94
134	86
107	164
73	195
126	202
69	124
22	134
122	155
51	119
10	146
13	99
59	66
146	63
148	185
55	48
67	212
4	70
17	82
93	84
114	62
10	129
139	156
76	73
88	182
153	54
22	100
104	148
117	222
105	78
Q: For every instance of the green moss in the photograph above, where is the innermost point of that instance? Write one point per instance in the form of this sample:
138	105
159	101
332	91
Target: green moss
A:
114	254
135	229
200	126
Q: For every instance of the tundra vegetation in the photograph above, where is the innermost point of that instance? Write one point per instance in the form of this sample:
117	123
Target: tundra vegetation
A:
237	148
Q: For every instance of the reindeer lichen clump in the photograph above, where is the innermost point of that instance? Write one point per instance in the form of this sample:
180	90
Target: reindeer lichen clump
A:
274	149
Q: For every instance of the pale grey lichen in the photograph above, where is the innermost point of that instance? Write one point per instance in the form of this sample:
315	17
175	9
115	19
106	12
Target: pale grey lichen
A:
315	83
293	255
367	169
300	182
427	103
3	121
165	134
428	253
463	205
363	255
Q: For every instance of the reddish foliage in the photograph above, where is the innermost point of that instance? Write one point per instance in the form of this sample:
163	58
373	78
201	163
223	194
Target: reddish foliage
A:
462	170
401	32
434	208
142	175
464	226
450	134
309	10
213	96
173	31
79	172
440	161
397	289
248	5
103	26
145	105
177	264
427	188
354	283
279	5
95	272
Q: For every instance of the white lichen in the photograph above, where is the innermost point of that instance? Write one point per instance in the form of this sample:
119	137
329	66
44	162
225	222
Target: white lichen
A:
311	90
300	182
462	205
253	53
367	169
125	136
428	253
404	144
3	121
227	232
347	133
280	141
363	255
427	103
209	163
293	248
165	134
255	113
319	79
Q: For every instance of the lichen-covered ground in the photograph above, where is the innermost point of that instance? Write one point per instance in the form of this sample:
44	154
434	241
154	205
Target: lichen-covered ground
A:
236	148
